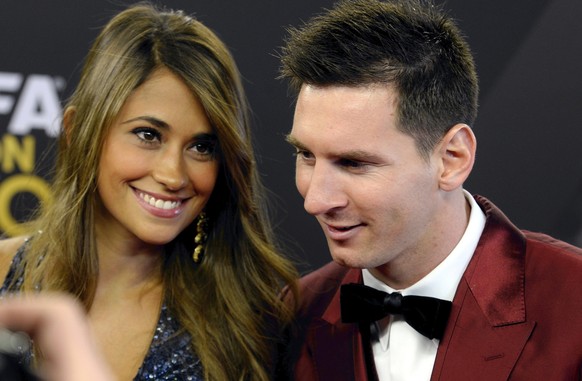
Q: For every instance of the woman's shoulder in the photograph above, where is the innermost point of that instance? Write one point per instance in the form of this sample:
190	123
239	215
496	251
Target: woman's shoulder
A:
8	247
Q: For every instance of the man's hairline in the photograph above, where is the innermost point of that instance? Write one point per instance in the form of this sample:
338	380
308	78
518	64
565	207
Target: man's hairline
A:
368	85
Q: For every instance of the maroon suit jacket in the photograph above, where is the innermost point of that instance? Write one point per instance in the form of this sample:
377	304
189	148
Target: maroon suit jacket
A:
516	315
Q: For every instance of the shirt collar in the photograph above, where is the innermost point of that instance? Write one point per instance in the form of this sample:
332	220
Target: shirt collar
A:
443	280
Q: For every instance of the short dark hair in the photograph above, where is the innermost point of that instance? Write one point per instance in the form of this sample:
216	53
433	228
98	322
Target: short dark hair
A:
411	45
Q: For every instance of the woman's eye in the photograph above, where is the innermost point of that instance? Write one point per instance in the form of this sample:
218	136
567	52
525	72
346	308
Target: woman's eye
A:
148	135
204	148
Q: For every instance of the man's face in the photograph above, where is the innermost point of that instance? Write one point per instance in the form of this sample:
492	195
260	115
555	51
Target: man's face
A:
376	198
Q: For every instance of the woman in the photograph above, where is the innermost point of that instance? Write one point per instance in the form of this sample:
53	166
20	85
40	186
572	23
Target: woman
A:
159	226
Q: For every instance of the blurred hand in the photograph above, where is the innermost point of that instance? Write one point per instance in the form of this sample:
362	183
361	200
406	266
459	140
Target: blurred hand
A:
58	327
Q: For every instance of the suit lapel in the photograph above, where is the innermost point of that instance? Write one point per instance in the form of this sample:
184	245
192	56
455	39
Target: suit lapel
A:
487	329
476	350
337	347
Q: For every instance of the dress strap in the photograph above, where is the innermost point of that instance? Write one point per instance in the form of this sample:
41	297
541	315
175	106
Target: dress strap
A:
15	277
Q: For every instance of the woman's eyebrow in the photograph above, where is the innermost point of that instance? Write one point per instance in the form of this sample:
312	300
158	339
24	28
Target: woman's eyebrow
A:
150	119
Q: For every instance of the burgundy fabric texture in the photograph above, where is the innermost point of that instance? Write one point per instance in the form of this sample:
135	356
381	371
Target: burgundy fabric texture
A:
516	315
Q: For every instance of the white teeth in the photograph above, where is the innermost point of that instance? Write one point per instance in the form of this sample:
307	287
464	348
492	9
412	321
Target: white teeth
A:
160	204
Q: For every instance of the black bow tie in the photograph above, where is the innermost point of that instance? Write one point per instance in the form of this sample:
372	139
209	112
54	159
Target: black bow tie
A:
363	304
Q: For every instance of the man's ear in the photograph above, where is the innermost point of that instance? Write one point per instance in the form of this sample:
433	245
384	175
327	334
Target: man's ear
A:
68	117
456	153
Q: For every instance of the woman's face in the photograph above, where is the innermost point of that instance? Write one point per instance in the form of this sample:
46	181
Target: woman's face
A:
158	166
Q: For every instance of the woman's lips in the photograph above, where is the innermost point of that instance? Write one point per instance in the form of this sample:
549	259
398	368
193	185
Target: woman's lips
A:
159	206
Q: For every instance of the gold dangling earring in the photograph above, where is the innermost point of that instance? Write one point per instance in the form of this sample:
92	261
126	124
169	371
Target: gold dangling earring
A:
200	238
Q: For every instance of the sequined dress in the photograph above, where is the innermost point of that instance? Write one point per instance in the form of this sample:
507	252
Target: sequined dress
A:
170	356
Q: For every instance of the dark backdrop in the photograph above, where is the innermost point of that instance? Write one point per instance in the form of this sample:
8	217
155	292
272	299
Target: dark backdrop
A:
529	128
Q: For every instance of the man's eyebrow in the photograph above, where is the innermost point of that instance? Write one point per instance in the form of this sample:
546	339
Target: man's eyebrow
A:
294	142
362	156
354	155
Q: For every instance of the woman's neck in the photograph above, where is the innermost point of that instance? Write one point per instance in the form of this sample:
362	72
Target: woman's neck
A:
128	265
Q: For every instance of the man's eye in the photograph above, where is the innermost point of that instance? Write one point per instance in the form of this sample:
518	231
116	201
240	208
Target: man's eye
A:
306	155
350	163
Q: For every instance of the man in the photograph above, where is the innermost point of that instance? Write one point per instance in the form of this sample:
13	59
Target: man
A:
387	95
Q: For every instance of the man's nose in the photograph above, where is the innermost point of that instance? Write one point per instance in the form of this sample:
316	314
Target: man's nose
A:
324	191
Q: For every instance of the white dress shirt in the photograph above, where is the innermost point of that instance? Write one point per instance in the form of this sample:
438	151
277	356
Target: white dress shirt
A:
400	352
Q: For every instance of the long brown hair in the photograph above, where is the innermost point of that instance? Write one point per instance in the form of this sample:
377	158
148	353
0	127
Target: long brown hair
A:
226	301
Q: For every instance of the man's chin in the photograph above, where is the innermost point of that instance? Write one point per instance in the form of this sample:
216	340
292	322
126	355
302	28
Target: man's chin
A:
347	261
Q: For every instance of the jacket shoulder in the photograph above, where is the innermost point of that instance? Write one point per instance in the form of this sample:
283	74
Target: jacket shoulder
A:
555	261
317	289
546	243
